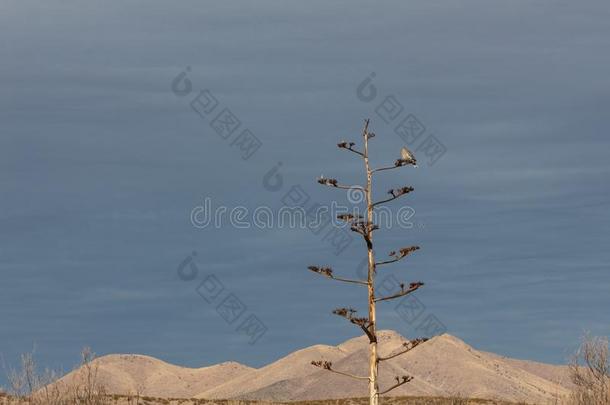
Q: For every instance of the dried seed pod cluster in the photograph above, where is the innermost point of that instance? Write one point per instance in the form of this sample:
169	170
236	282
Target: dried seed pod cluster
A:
405	162
346	145
325	271
403	252
349	217
328	182
397	192
326	365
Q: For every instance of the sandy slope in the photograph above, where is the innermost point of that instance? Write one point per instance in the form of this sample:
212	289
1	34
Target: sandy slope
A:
557	374
295	365
443	366
130	374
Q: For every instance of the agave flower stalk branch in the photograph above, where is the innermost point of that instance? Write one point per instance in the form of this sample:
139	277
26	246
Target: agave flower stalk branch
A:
395	193
398	163
400	381
349	146
327	365
334	183
402	293
402	253
408	347
328	273
363	323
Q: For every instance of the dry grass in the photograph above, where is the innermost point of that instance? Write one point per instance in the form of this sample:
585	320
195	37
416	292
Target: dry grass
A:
143	400
28	386
407	401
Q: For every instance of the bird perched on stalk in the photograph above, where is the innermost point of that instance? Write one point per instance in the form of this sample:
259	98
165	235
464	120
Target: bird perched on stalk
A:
407	155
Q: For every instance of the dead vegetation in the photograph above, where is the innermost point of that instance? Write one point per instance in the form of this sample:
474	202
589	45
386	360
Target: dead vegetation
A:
129	400
590	372
28	386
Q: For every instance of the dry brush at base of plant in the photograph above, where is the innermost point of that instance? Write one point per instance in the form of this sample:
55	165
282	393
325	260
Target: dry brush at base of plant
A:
590	372
365	228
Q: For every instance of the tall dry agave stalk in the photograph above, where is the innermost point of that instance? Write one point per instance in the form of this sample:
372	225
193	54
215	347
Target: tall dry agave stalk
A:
365	227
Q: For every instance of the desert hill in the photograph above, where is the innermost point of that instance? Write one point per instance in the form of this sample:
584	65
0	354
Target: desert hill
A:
131	374
443	366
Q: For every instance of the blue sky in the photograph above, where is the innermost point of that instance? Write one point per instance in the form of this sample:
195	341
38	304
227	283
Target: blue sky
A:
101	165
